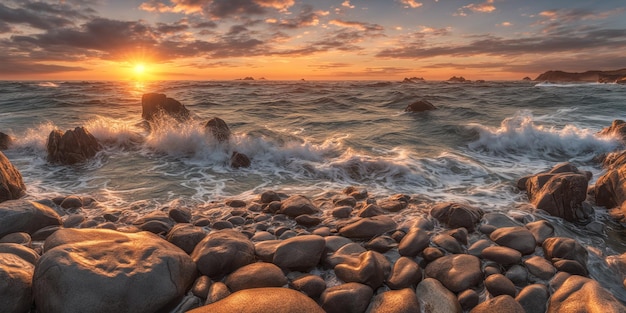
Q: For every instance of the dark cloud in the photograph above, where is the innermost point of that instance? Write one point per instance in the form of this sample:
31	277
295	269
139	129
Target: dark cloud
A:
368	27
307	17
30	17
13	66
217	8
172	28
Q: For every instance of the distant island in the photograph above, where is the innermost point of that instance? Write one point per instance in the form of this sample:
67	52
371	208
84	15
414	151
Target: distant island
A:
615	76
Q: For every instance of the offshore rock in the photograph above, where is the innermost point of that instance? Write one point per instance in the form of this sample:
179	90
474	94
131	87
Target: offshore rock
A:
11	182
130	272
617	128
154	104
455	215
264	300
238	160
218	128
581	294
420	106
25	216
71	147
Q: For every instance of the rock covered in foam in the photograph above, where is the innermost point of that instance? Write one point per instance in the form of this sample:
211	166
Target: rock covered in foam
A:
98	270
153	104
218	128
25	216
72	146
11	182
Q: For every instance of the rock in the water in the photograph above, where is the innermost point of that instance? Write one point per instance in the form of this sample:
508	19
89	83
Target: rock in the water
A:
25	216
540	267
262	300
503	303
560	192
16	275
456	271
97	270
300	252
498	284
180	214
154	104
222	252
581	294
405	274
517	237
447	243
397	301
610	188
436	298
502	255
297	205
346	298
541	230
420	106
11	183
218	128
533	298
71	147
5	141
415	241
556	248
455	215
617	128
368	227
238	160
256	275
371	270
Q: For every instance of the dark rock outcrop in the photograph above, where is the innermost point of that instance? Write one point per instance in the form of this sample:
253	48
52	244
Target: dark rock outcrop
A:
71	147
218	128
5	141
420	106
588	76
617	128
238	160
154	104
11	183
459	79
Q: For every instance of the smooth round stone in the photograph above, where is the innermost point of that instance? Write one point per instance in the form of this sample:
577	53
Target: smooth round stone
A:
406	273
287	234
368	227
153	226
518	238
381	244
455	215
431	253
468	299
217	291
565	248
308	220
499	220
397	301
346	298
269	196
262	236
222	225
541	230
297	205
310	285
570	266
72	202
346	254
278	300
457	271
25	216
498	284
323	231
235	203
201	286
180	215
540	267
222	252
16	275
202	222
186	236
491	269
27	254
436	298
477	247
414	242
300	252
448	243
502	255
45	232
503	303
533	298
23	239
345	201
73	220
265	250
256	275
582	294
460	234
342	212
370	210
237	220
334	243
558	280
371	270
518	275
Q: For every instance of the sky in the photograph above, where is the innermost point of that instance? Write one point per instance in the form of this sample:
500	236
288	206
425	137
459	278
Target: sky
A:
306	39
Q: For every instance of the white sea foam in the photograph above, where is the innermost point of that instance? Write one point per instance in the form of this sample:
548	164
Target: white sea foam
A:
48	84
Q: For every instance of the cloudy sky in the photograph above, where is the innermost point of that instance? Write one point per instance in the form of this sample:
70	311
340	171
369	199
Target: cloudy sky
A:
294	39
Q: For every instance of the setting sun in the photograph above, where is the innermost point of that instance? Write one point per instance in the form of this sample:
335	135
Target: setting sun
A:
140	69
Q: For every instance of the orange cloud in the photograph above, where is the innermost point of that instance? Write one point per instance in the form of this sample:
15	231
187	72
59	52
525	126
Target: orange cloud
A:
411	3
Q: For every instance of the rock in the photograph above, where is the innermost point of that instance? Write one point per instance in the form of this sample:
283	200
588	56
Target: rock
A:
448	243
300	252
581	294
381	244
16	276
455	79
518	238
72	202
588	76
368	227
19	238
420	106
457	271
218	128
518	275
540	267
431	253
498	284
414	242
346	298
499	220
346	254
533	298
397	301
11	183
570	266
83	269
541	230
610	189
502	255
435	298
277	300
455	215
372	269
186	236
25	216
310	285
503	303
342	212
370	210
201	287
256	275
155	104
297	205
560	192
217	292
180	214
308	220
405	274
239	160
477	247
617	128
468	299
565	248
5	141
71	147
27	254
222	252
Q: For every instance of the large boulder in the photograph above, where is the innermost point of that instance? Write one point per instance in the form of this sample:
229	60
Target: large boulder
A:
222	252
455	215
346	298
16	276
436	298
71	147
99	270
11	183
263	300
218	128
610	188
563	249
560	192
155	104
25	216
581	294
397	301
300	252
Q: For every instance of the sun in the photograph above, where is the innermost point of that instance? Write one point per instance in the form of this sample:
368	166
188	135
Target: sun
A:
140	69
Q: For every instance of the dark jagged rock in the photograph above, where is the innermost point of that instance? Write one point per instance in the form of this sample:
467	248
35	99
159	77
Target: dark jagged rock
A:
11	183
270	299
617	128
218	128
413	79
560	192
71	147
459	79
588	76
154	104
5	141
455	215
238	160
420	106
526	78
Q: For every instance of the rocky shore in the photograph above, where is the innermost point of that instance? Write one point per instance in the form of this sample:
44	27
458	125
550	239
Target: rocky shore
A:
344	251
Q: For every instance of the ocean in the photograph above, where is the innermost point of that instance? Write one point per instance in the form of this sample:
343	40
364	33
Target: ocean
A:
317	138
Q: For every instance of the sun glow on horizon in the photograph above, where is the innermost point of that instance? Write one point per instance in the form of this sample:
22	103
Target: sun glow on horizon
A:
139	69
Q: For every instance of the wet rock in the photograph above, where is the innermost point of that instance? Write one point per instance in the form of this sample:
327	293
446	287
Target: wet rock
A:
468	299
348	254
420	106
533	298
346	298
297	205
155	104
394	203
256	275
222	225
556	248
570	266
540	267
156	227
72	202
16	276
18	238
27	254
73	220
239	160
502	255
217	292
414	242
218	128
371	270
498	284
5	141
477	247
448	243
345	201
583	295
518	238
381	244
11	183
25	216
201	286
455	215
128	266
269	196
300	252
503	303
399	301
431	253
71	147
499	220
262	236
370	210
368	227
308	220
278	300
518	275
436	298
405	274
457	271
342	212
186	236
180	214
460	234
222	252
310	285
541	230
617	128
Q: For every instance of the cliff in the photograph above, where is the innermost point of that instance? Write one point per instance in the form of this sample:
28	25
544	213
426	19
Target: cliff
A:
588	76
